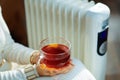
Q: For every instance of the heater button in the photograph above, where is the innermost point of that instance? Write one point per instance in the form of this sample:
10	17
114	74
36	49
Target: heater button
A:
103	48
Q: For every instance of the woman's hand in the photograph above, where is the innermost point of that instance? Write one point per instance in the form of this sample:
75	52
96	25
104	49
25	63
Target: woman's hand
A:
34	57
43	70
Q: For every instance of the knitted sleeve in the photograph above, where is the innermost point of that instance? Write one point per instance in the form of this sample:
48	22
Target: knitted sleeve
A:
13	75
28	73
16	52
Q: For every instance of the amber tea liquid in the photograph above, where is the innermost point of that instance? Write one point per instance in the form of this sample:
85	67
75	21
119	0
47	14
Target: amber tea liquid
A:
55	55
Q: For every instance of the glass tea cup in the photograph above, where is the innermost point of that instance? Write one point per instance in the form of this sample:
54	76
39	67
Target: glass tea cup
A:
55	52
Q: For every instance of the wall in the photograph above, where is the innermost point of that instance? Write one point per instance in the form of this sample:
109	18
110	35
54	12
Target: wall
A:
14	15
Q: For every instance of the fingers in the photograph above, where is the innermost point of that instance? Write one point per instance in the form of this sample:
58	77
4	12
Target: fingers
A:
66	68
43	70
34	57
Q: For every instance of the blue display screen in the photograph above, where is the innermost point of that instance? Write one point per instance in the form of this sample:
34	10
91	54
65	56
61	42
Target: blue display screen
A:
103	34
102	42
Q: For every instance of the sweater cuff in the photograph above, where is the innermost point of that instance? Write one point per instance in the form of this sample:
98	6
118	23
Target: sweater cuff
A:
31	72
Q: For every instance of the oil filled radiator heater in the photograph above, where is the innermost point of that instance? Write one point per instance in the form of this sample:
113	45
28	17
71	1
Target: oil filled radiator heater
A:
84	23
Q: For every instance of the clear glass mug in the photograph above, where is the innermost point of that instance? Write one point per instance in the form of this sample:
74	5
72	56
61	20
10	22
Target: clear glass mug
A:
55	52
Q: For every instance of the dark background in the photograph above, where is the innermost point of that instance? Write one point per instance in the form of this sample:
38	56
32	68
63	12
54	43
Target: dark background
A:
14	15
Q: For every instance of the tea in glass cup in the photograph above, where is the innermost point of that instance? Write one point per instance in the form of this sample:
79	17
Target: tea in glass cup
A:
55	52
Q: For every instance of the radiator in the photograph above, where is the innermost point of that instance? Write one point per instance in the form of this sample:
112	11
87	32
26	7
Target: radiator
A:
63	18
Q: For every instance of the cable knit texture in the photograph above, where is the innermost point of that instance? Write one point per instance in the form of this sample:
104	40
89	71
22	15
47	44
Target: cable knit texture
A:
17	53
13	75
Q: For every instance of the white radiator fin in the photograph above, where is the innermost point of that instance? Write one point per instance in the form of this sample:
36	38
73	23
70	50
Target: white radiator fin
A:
64	18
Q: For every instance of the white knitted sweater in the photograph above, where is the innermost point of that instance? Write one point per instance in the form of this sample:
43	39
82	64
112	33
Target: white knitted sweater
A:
11	52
